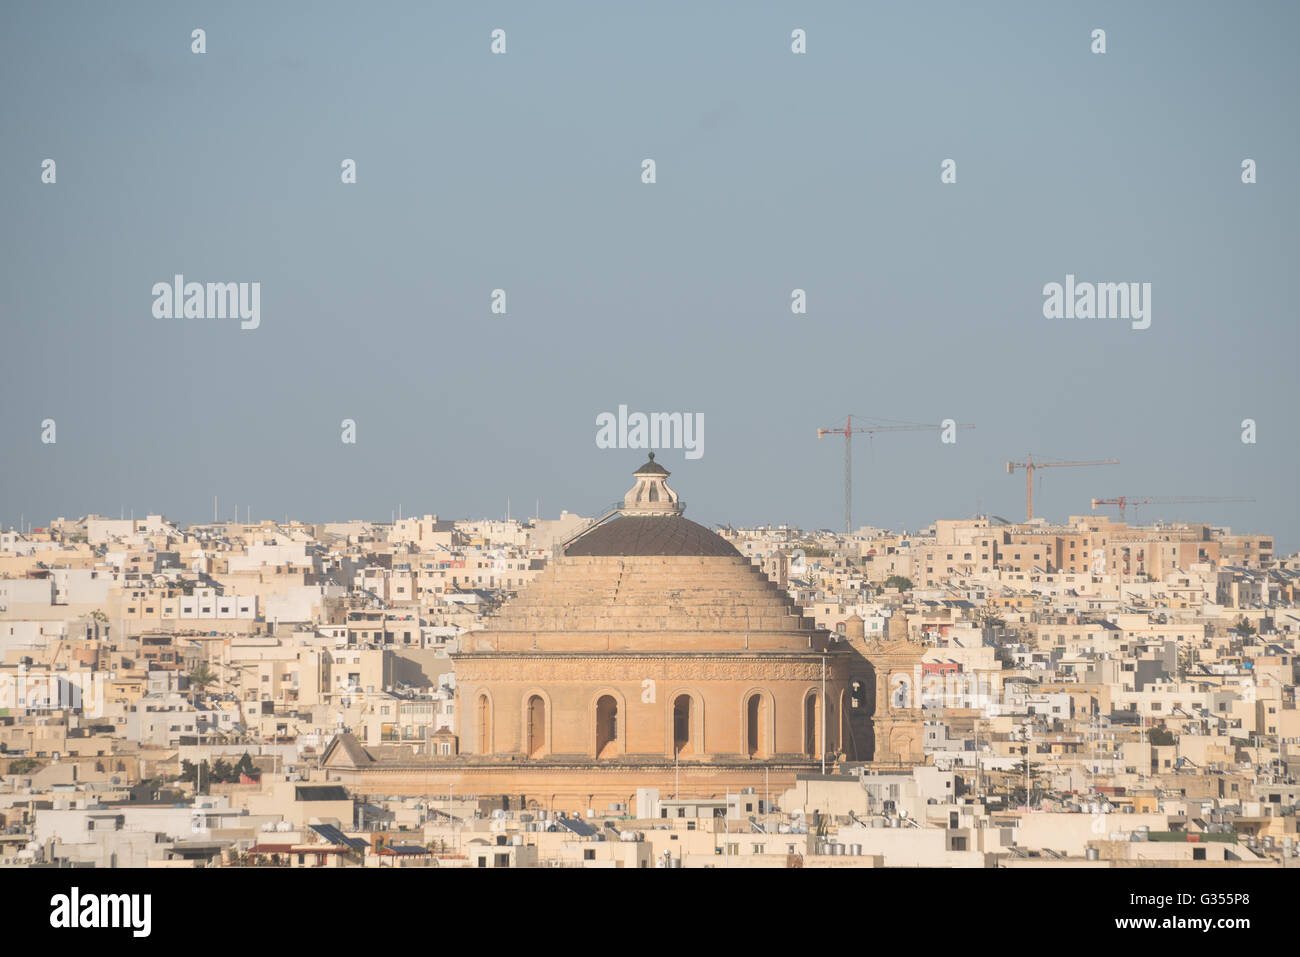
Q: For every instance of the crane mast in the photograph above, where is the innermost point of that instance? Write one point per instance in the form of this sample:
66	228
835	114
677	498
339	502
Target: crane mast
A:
847	432
1030	466
1124	501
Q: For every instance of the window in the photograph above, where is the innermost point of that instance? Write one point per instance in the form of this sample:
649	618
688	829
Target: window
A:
606	727
682	724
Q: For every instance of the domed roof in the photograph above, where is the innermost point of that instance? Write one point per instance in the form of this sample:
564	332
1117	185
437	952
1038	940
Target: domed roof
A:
652	468
650	535
645	579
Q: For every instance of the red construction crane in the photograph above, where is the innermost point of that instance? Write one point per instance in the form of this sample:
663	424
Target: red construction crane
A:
847	432
1029	465
1124	501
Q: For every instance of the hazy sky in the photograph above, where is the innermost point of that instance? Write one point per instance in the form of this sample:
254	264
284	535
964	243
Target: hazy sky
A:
522	171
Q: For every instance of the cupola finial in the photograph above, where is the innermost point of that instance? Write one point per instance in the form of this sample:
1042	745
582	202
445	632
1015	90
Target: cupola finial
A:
651	494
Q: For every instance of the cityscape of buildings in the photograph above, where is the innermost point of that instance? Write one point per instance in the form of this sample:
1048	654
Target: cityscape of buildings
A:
633	689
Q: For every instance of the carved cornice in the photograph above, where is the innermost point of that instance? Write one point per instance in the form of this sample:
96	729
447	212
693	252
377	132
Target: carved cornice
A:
636	668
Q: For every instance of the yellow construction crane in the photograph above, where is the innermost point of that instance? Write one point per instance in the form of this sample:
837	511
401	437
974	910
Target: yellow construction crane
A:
1124	501
1029	465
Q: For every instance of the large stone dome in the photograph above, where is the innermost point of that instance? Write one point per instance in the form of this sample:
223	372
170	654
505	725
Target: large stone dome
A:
650	653
650	639
643	602
650	535
648	579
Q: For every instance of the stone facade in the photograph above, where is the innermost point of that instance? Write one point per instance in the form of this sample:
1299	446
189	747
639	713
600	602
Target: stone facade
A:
650	653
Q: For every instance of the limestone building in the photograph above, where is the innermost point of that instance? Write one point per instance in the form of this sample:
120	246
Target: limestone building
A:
651	653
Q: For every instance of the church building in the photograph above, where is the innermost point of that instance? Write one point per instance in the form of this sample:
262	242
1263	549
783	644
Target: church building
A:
651	653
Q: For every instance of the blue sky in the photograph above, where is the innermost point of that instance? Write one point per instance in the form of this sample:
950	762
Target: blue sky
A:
522	172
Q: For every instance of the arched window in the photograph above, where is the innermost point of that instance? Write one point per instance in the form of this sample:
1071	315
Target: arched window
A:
846	741
535	745
756	732
682	743
606	727
811	722
484	724
902	693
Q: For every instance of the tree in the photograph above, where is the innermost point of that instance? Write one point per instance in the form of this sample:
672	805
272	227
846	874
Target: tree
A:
23	765
814	551
1160	737
200	677
203	774
245	766
899	581
1244	626
1018	793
